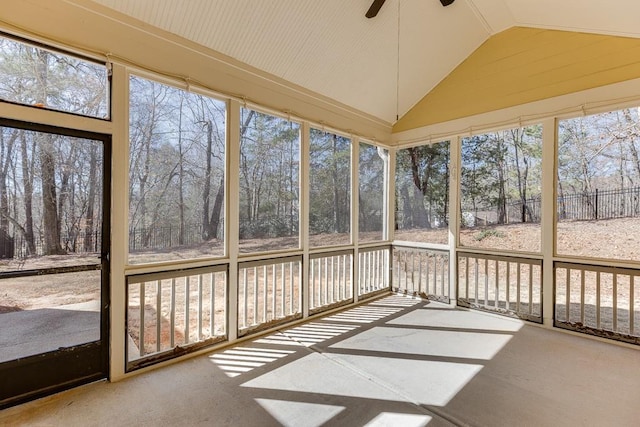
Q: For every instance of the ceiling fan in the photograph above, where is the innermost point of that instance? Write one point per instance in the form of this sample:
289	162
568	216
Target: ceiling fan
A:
377	4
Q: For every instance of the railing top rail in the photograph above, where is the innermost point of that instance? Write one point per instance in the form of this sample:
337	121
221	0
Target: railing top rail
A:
270	261
317	255
507	258
172	274
375	248
597	268
422	247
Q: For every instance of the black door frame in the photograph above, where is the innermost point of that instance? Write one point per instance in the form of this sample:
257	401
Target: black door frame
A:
35	376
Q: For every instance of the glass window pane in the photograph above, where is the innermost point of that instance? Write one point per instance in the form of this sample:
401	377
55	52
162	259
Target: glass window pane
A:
48	79
329	189
500	190
176	173
269	182
371	202
50	200
598	193
422	194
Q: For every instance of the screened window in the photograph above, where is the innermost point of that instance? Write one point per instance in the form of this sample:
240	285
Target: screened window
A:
48	79
176	173
269	182
371	197
329	189
50	200
422	193
500	190
598	188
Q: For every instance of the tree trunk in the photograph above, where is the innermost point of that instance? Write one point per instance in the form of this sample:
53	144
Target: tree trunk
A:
27	178
51	221
206	224
88	231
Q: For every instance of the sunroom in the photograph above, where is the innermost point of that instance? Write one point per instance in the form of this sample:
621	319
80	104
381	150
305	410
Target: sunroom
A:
434	199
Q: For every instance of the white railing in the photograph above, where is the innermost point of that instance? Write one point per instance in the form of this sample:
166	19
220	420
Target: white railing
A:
169	312
330	279
269	293
504	284
421	271
373	270
598	300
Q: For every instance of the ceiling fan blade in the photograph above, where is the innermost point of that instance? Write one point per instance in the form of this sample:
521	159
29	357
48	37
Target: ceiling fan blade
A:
374	9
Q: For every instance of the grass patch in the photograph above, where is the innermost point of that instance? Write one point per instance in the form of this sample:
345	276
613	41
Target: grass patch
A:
488	232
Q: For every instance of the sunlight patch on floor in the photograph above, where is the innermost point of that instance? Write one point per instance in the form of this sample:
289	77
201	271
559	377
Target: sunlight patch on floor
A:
393	419
299	414
238	360
408	341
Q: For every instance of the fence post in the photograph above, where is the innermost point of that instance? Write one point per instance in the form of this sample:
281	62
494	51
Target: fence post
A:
596	203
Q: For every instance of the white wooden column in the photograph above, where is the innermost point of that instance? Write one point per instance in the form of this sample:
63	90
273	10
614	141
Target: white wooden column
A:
232	210
549	133
454	216
304	215
355	157
119	219
390	213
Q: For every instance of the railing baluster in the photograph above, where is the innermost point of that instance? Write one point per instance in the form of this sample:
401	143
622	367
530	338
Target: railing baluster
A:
255	295
158	313
530	288
283	286
582	288
486	282
212	301
199	307
143	299
508	285
518	287
265	283
290	288
567	296
615	302
597	300
187	297
477	279
245	299
442	276
312	284
466	272
274	284
332	297
173	312
497	286
632	285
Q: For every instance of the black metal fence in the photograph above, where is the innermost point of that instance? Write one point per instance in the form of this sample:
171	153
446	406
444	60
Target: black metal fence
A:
74	242
598	204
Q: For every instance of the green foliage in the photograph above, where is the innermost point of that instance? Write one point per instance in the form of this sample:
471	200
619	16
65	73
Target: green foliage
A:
422	186
486	233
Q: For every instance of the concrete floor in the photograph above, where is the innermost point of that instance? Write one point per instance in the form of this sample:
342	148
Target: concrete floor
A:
30	332
394	362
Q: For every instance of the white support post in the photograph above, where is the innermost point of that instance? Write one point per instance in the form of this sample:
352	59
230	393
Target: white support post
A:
390	214
355	209
304	215
454	215
549	133
232	207
119	220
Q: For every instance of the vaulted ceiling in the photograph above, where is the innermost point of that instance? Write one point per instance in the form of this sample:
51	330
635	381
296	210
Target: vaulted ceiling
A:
381	66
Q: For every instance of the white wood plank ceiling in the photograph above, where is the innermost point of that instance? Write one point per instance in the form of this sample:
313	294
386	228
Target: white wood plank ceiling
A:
381	66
